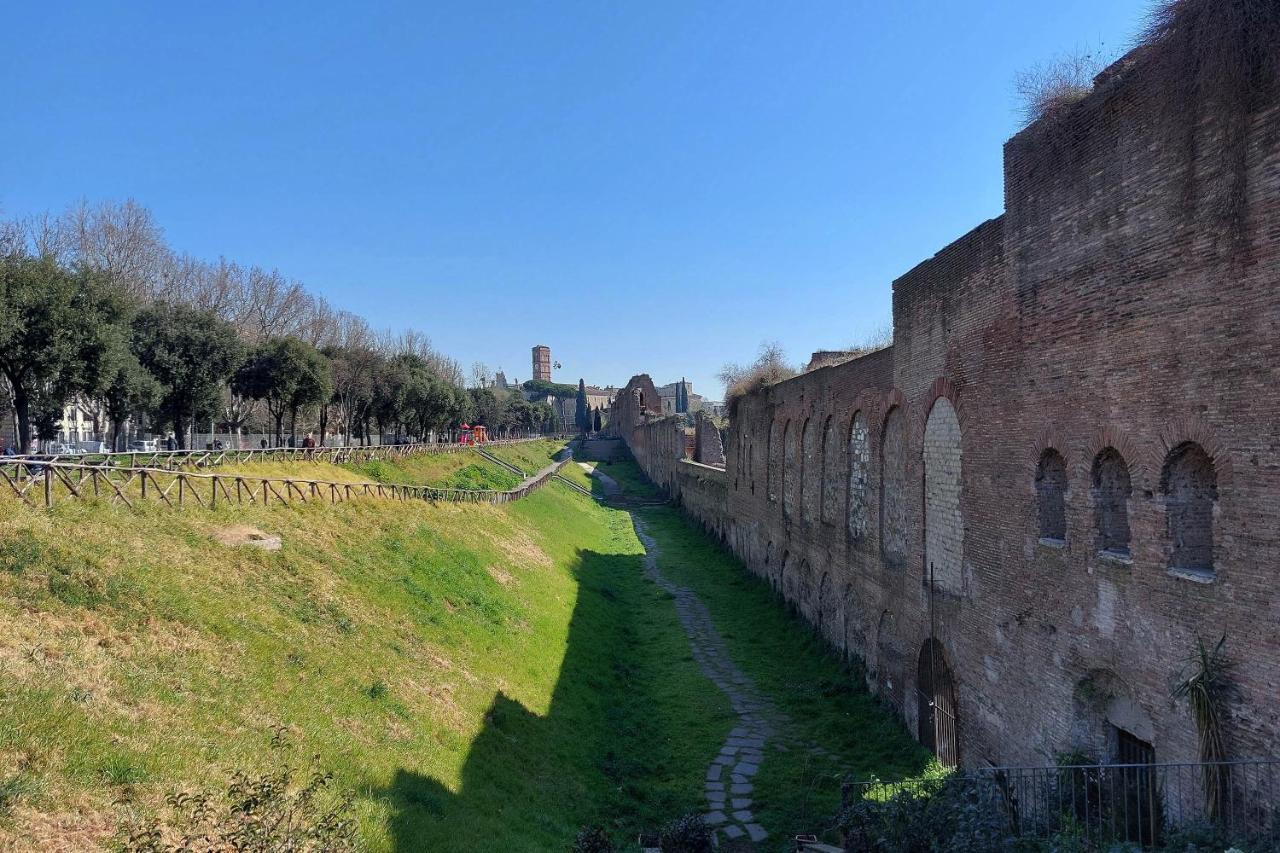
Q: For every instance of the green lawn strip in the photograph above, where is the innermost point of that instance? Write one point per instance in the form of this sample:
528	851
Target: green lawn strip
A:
630	479
796	791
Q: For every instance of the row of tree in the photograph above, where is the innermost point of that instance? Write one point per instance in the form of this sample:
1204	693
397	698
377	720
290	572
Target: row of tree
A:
95	308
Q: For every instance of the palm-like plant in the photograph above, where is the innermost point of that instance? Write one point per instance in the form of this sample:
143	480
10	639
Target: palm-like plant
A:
1207	685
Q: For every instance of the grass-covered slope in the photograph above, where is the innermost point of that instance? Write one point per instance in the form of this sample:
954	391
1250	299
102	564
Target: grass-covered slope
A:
529	457
464	469
477	677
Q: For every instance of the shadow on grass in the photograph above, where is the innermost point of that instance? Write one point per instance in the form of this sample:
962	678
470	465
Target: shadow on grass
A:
607	751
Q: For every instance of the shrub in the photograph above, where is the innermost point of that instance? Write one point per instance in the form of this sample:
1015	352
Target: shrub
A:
256	814
686	834
1048	90
769	368
933	816
592	839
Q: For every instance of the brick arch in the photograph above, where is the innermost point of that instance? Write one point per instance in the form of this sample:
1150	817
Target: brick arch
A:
893	399
941	389
1190	428
1048	438
1112	436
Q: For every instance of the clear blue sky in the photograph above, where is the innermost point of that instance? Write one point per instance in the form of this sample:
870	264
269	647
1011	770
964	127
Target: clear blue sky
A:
643	186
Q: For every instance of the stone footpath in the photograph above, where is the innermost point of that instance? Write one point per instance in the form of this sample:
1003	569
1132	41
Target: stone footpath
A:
729	780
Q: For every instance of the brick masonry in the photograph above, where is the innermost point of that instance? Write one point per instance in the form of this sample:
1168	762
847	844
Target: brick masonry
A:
1095	318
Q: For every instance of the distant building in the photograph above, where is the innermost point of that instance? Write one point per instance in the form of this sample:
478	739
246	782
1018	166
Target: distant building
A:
600	398
678	398
542	362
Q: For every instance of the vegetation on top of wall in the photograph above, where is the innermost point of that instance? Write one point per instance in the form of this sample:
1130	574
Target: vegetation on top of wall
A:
769	368
1200	72
1049	89
1213	62
551	389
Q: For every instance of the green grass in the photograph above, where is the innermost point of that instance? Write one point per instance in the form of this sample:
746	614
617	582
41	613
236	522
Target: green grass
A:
796	791
575	473
529	457
501	675
477	677
463	469
631	479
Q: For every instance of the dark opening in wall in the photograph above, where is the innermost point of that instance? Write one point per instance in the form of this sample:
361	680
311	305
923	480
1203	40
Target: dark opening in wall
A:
1051	490
1189	484
1111	491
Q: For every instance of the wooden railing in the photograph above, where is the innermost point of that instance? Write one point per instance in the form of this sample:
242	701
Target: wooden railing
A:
170	459
44	483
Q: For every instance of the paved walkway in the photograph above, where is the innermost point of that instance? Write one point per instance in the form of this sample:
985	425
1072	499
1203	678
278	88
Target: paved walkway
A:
730	777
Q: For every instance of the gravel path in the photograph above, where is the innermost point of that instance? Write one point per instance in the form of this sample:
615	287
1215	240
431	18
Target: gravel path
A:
730	777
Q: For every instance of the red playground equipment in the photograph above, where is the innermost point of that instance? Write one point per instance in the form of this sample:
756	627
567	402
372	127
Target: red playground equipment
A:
468	434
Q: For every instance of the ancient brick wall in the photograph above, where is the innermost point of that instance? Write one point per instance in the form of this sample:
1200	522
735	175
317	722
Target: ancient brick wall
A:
1100	324
708	448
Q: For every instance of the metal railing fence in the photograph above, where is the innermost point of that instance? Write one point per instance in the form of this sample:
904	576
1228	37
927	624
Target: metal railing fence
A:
1142	805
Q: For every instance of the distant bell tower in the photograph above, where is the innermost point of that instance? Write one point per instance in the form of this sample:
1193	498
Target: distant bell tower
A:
542	362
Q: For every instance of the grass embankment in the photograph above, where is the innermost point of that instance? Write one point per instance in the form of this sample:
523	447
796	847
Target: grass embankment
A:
530	457
462	469
478	677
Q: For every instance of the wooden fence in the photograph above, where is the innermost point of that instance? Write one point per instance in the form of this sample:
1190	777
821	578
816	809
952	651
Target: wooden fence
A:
210	458
44	483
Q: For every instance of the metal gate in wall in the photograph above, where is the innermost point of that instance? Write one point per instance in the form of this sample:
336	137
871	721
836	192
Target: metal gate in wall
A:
936	704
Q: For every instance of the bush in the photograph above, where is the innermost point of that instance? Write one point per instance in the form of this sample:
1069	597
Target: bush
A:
1048	90
686	834
934	816
592	839
256	814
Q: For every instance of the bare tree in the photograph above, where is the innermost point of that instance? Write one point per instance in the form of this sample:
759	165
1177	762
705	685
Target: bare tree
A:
120	238
274	304
770	367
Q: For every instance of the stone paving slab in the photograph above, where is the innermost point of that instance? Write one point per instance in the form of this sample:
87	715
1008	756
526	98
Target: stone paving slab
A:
757	715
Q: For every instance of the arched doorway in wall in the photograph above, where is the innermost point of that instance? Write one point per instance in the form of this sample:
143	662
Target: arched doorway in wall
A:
936	704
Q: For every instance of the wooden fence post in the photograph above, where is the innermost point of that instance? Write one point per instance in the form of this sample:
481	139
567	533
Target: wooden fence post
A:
48	487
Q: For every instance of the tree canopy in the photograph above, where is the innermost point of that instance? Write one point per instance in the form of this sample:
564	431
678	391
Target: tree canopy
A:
61	333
